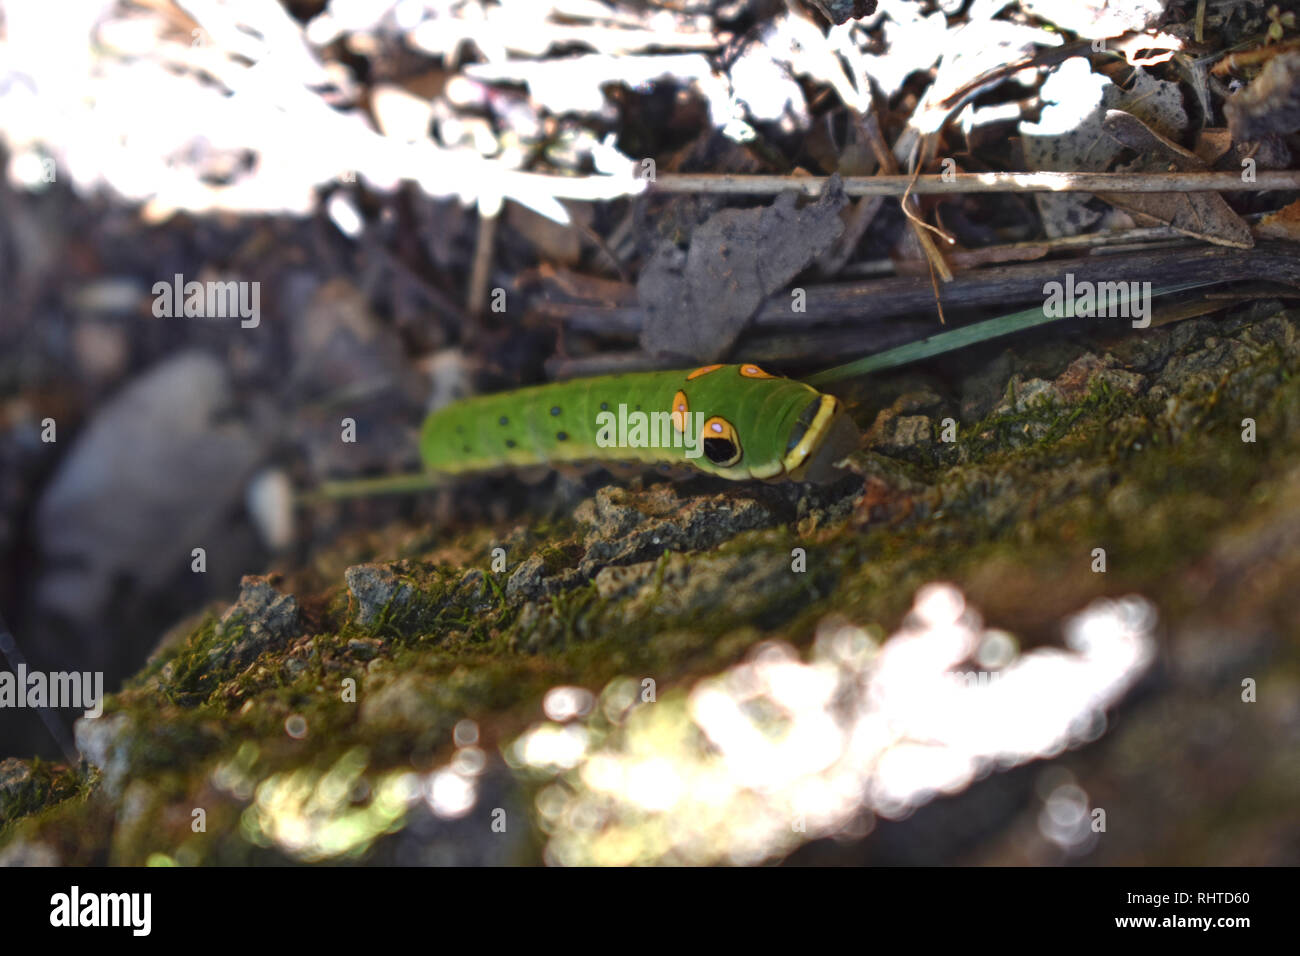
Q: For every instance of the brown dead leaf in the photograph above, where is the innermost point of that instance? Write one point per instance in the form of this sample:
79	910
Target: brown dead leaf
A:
697	302
1283	224
1212	145
1202	215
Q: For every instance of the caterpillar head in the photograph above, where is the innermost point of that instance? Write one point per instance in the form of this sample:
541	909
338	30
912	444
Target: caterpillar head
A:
757	425
813	451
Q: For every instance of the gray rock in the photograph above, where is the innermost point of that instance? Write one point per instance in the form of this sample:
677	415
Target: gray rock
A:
911	431
262	618
26	853
626	528
156	473
102	742
375	589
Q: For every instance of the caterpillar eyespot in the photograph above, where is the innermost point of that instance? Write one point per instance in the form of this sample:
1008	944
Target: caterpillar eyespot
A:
743	425
721	443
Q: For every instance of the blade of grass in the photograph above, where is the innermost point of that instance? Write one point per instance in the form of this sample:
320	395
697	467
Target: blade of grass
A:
961	338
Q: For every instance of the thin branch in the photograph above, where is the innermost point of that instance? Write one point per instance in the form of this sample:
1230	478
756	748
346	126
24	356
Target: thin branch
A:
481	273
1042	182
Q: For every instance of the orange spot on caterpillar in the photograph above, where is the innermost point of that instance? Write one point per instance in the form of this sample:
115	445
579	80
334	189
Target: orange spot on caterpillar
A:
753	371
703	370
681	408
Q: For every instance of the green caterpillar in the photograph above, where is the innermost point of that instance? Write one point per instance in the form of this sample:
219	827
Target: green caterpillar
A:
753	425
733	421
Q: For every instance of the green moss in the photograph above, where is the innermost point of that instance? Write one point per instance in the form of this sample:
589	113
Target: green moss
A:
557	558
186	676
46	785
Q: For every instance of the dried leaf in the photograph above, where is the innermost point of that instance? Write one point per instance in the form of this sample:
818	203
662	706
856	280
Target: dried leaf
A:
1283	224
1203	215
697	302
1212	145
1068	136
